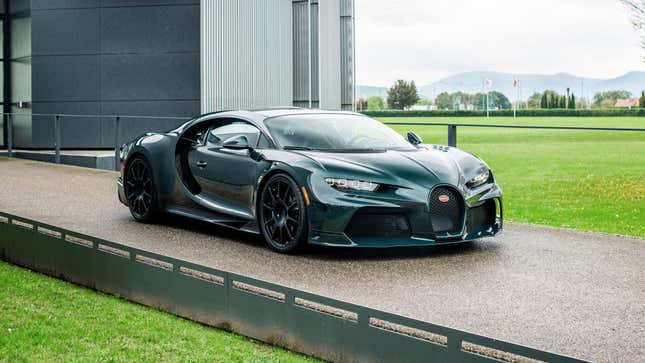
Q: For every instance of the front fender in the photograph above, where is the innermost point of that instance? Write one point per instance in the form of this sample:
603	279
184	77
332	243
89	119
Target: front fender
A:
159	150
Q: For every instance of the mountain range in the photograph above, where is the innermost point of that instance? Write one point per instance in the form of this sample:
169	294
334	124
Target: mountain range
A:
472	82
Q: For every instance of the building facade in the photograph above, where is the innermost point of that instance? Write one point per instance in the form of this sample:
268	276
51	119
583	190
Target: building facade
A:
174	58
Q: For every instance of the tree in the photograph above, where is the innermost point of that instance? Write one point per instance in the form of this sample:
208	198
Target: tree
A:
424	102
550	99
375	103
443	101
460	98
361	104
535	100
641	102
479	101
402	95
572	101
608	99
498	99
637	8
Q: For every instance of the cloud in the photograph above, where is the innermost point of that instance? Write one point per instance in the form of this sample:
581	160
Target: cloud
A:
427	40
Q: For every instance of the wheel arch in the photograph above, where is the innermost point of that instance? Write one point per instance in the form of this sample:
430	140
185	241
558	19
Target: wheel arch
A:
277	168
263	181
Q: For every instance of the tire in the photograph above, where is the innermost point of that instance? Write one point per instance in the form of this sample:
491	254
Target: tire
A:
140	191
282	214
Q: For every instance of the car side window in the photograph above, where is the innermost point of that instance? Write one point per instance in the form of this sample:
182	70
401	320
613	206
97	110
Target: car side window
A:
264	143
218	135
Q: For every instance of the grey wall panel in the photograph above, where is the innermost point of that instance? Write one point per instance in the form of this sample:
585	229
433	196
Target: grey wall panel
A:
71	31
65	78
75	131
315	74
92	132
107	57
329	54
18	6
126	3
347	52
301	50
22	131
246	54
64	4
78	4
150	76
150	29
132	127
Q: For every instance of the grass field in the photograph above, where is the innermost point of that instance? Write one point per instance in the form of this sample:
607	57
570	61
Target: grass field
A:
47	320
591	180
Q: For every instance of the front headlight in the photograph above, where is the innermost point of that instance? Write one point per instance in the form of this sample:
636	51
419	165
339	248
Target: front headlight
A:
349	184
478	180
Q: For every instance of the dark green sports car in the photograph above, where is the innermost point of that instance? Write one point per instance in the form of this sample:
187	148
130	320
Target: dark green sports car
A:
301	176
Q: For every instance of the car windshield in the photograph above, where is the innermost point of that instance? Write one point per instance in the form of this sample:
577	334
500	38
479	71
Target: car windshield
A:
335	133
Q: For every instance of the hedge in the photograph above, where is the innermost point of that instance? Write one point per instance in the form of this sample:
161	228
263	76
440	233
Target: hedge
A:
506	113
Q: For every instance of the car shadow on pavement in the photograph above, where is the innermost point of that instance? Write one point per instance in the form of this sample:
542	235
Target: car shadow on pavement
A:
395	253
333	253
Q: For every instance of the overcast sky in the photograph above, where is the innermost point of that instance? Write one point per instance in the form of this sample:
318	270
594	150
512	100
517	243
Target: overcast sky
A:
426	40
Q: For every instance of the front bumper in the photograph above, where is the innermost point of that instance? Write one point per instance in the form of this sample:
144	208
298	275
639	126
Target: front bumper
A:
406	217
121	191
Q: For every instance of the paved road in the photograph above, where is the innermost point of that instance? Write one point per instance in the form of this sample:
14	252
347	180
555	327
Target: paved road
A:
575	293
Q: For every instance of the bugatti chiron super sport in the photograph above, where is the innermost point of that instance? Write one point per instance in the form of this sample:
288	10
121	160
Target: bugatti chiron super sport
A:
300	176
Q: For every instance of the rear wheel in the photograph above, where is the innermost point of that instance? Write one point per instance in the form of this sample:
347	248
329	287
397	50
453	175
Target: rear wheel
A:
283	214
140	190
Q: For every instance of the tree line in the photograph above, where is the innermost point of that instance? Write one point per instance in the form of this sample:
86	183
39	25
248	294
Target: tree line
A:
403	95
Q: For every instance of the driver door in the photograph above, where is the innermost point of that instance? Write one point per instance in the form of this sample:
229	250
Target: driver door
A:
227	176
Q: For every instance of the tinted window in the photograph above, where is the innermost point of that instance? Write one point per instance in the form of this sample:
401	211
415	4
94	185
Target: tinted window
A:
264	143
334	132
220	134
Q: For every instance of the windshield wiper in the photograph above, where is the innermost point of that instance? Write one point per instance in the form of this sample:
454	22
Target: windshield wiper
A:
304	148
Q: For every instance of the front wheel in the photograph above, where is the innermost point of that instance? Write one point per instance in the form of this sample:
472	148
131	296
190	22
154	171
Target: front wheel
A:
140	190
283	214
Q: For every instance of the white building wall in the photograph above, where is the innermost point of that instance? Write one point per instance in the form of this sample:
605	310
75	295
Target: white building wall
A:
264	53
329	54
246	54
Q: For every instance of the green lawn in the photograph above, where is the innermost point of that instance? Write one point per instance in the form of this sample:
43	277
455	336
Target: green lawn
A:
44	319
591	180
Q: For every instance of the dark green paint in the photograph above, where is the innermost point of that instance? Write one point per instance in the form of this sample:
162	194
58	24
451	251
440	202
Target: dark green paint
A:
231	180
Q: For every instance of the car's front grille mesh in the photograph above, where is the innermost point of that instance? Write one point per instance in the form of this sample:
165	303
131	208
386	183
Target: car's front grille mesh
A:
371	222
446	208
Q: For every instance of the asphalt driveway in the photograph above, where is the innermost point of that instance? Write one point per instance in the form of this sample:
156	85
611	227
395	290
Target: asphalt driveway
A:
575	293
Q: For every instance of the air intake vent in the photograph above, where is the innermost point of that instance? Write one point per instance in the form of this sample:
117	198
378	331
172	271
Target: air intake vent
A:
369	222
481	217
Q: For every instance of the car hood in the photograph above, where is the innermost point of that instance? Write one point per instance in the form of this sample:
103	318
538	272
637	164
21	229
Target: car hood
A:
425	167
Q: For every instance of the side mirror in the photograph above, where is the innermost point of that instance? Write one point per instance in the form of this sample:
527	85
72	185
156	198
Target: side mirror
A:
199	137
239	142
414	139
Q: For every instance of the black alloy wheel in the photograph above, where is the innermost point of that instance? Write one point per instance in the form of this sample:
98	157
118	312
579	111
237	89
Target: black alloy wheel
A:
140	190
283	214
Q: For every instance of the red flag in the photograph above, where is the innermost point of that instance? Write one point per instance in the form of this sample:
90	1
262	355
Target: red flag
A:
514	83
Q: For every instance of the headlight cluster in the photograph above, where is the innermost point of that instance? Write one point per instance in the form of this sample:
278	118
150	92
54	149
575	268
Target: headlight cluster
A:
479	179
349	184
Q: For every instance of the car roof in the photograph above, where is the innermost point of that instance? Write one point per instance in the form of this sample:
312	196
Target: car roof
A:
258	116
284	111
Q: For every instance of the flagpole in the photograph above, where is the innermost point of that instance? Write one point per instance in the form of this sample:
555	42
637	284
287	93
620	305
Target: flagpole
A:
516	85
